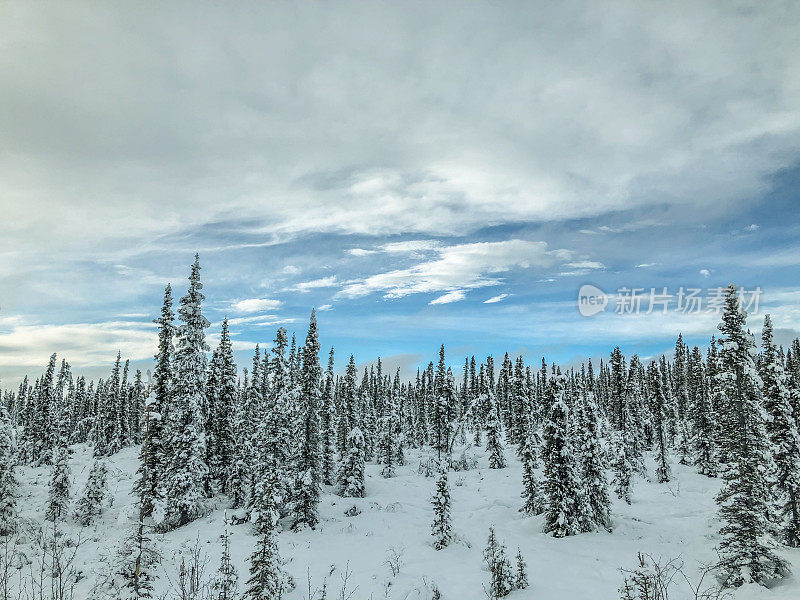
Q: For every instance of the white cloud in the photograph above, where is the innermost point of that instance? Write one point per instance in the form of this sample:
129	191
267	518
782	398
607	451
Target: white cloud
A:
705	272
360	252
586	265
704	127
81	344
752	227
646	265
251	305
413	247
464	266
494	299
449	297
307	286
325	307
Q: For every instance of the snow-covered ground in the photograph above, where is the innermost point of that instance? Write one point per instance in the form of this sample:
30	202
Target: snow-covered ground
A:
664	520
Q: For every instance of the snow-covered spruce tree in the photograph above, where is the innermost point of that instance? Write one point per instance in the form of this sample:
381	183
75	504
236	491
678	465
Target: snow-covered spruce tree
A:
781	428
351	473
703	419
104	431
387	440
502	575
347	407
58	492
90	504
590	460
521	574
152	453
9	484
531	488
659	409
519	406
565	505
274	442
226	581
746	552
635	415
621	464
494	444
267	580
442	527
308	480
222	397
444	400
328	425
186	472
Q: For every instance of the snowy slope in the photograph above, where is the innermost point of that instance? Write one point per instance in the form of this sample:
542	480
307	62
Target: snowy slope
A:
665	520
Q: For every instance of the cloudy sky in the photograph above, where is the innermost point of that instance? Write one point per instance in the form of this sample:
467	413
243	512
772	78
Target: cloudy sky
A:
421	173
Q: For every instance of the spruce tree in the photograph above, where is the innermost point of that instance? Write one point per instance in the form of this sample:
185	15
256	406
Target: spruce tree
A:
494	444
744	500
531	488
565	509
186	473
90	504
351	473
703	419
9	484
223	424
621	464
226	582
442	528
308	479
502	576
521	575
58	493
328	425
267	580
781	428
659	408
590	459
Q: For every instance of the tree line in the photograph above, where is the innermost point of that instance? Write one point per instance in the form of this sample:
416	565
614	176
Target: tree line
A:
273	436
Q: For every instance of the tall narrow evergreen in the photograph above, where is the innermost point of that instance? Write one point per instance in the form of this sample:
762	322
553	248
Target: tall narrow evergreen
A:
58	493
746	551
152	453
308	482
221	411
565	506
781	428
659	407
186	473
328	425
531	488
351	473
9	485
267	580
442	528
703	419
226	582
590	459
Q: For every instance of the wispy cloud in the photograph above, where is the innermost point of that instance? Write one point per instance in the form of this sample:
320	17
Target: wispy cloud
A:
449	297
252	305
30	345
307	286
498	298
464	266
